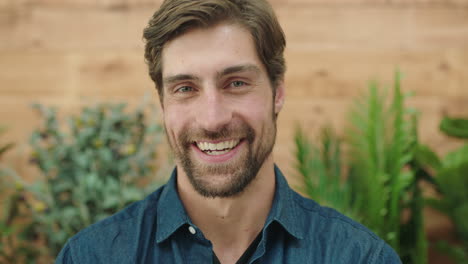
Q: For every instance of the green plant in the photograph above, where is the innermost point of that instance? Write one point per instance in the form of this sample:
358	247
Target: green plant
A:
17	243
451	180
4	147
384	172
384	175
15	235
91	168
321	171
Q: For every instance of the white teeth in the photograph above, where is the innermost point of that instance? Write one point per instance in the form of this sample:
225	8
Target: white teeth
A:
222	145
214	153
213	146
225	145
205	145
217	148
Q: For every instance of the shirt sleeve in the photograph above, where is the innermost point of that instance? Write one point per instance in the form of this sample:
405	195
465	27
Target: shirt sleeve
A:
388	256
64	256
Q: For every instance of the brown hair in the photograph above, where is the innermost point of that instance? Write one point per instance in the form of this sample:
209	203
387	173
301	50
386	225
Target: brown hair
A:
177	16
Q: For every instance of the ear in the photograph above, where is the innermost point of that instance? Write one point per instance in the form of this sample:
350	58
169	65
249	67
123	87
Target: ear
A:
279	97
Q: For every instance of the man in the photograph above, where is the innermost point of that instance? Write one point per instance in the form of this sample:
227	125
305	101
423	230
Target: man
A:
218	67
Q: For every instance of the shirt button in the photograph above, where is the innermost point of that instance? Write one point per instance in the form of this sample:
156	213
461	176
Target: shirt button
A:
192	230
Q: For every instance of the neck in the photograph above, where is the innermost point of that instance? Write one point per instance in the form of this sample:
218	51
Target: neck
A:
232	223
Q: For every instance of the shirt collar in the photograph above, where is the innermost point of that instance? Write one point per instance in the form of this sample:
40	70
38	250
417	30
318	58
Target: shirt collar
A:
172	215
285	210
171	212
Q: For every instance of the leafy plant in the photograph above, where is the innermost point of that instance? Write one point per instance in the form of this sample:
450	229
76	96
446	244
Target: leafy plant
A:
15	245
384	171
6	146
321	171
451	180
17	239
91	168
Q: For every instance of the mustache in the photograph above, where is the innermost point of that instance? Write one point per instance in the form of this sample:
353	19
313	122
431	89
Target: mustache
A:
242	130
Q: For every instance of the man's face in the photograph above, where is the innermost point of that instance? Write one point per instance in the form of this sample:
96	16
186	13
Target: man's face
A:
219	110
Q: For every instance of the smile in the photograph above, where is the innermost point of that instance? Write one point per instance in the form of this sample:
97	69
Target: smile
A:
219	148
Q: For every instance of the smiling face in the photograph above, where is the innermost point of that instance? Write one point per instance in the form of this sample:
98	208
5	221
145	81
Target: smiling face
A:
219	110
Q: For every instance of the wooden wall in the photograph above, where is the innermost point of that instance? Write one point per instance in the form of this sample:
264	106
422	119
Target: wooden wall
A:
71	52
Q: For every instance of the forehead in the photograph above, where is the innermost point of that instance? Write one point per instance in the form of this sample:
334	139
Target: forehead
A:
204	50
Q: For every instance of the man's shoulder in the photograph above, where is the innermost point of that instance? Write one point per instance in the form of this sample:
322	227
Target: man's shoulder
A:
135	212
325	216
335	233
119	228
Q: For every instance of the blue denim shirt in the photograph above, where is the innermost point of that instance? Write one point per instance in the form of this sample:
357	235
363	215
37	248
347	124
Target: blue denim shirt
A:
158	230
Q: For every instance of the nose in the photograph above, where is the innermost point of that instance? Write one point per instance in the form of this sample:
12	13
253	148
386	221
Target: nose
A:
214	112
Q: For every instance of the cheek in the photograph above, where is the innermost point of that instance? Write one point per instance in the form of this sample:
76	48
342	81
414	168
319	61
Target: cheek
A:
258	109
173	122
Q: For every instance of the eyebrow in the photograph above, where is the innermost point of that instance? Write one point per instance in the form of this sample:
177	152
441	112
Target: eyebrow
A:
180	77
239	68
229	70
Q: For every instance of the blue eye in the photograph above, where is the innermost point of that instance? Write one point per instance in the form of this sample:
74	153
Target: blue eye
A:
238	83
184	89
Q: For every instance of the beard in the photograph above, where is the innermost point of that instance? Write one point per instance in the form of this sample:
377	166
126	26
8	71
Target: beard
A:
231	178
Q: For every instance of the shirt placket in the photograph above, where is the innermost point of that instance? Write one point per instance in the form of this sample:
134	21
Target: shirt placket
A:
200	249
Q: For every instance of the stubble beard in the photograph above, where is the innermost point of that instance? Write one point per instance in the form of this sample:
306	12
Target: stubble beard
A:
234	176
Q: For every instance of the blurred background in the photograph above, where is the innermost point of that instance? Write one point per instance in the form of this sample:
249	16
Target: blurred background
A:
75	53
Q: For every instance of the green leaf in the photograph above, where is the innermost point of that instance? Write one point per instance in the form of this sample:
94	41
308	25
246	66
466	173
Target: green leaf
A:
456	157
455	127
6	230
111	202
62	186
439	205
6	147
460	214
426	158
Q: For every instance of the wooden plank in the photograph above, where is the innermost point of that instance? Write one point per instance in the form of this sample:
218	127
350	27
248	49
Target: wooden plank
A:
374	28
277	3
35	73
69	29
342	73
315	28
360	3
113	73
106	4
